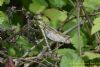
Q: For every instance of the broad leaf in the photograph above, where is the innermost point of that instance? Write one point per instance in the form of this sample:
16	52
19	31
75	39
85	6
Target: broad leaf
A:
11	51
7	1
91	4
70	25
23	42
4	21
1	2
4	1
96	26
78	42
55	15
70	58
91	55
37	6
58	3
64	51
55	24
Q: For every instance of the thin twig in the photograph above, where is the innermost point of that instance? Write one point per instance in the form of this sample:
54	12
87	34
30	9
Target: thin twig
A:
72	28
32	48
74	17
91	23
78	19
39	20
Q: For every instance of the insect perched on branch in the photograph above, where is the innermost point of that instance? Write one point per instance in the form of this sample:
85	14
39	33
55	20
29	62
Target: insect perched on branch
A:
51	33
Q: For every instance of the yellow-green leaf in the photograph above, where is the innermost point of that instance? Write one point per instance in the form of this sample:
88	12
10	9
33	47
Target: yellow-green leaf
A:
11	51
4	21
91	4
23	42
55	14
7	1
91	55
58	3
75	40
70	58
96	26
1	2
36	6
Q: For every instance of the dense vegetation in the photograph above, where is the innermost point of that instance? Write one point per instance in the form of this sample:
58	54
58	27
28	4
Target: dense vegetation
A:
49	33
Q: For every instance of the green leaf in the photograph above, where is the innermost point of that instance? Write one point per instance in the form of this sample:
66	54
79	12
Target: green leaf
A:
23	42
4	21
11	51
69	61
26	3
69	25
78	42
96	26
42	2
64	51
54	24
91	55
1	2
95	29
7	1
37	6
70	58
58	3
4	1
91	4
55	15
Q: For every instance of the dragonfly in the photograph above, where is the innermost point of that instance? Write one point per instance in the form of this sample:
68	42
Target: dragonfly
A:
52	33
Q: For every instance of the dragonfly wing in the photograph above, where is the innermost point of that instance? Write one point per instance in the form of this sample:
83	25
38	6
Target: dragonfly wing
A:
54	36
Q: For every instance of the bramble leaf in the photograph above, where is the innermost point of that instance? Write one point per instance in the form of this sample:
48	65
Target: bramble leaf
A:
96	26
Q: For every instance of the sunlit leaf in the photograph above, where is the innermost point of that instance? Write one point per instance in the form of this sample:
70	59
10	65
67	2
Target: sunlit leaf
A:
58	3
91	55
37	7
78	42
96	26
1	2
55	15
91	4
95	29
70	58
64	51
4	21
55	24
11	51
70	25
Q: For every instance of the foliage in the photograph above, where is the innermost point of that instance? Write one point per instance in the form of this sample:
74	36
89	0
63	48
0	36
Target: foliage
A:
96	27
50	33
70	58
